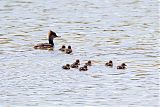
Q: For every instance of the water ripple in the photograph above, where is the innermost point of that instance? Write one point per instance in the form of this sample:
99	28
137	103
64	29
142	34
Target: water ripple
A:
122	31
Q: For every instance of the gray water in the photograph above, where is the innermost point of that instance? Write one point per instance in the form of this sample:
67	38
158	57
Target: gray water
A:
98	30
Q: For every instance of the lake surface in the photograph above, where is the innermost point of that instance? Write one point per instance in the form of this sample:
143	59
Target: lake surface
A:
121	31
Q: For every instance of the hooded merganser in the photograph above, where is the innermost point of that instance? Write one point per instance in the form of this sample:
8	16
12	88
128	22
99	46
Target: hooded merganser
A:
84	68
122	66
63	48
69	50
89	63
50	45
67	66
110	63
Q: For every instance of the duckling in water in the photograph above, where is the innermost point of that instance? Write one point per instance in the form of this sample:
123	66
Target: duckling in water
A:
50	45
63	48
122	66
84	68
110	64
75	64
67	66
89	63
69	50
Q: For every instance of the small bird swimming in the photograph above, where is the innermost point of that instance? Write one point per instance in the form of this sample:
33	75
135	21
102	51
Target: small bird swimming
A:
110	64
69	50
84	68
63	48
89	63
75	64
122	66
67	66
50	45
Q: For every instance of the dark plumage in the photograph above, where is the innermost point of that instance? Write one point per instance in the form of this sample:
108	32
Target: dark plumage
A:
75	64
63	48
110	64
67	66
89	63
69	50
84	68
122	66
50	45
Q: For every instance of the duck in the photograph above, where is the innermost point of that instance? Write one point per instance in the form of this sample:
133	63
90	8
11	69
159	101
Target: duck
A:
63	48
122	66
110	64
67	66
69	50
84	68
50	45
75	64
89	63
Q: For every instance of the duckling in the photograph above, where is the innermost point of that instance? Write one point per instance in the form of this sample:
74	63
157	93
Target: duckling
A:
74	65
63	48
67	66
69	50
77	62
89	63
50	45
122	66
110	64
84	68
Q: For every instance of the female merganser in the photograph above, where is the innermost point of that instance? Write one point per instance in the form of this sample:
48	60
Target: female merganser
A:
122	66
63	48
69	50
67	66
110	63
50	45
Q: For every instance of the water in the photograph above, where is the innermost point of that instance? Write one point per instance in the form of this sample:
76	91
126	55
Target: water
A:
122	31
